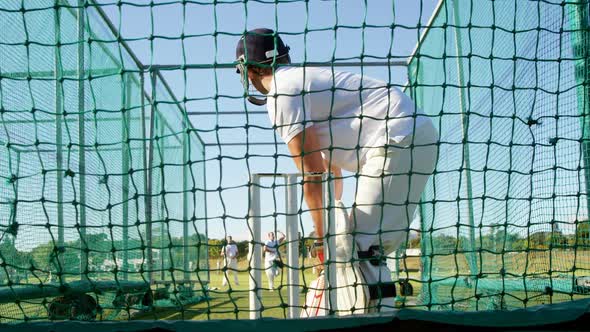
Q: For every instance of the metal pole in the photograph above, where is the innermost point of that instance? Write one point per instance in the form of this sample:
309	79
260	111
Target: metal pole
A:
255	247
185	196
232	65
426	232
58	141
465	129
82	141
161	152
426	249
47	74
293	244
205	214
228	113
241	144
421	39
331	303
579	24
125	151
429	25
148	184
14	207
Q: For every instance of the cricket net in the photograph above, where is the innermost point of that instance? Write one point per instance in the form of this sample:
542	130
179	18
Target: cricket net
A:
120	155
101	199
504	219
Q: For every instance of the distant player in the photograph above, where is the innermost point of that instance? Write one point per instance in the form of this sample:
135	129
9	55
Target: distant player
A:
230	258
272	258
338	121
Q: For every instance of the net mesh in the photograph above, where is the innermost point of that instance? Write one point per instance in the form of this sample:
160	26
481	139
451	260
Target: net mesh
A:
120	155
502	218
81	137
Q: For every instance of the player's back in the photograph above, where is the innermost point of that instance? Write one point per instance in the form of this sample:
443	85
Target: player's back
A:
347	110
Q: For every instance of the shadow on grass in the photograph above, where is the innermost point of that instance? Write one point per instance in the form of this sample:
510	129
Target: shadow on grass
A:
200	310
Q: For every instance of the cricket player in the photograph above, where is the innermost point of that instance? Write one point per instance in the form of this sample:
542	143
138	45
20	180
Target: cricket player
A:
334	121
272	259
230	258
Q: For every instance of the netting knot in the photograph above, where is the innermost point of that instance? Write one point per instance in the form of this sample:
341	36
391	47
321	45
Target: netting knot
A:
549	290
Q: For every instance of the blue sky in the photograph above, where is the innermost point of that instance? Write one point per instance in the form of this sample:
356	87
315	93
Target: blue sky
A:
211	35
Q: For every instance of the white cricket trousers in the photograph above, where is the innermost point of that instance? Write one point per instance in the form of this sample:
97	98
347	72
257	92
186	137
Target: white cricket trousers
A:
389	187
272	270
231	265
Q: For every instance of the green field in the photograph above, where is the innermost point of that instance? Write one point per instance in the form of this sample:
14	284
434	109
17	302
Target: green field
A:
232	302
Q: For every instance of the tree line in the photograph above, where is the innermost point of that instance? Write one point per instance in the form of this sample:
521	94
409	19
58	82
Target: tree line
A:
101	248
49	256
500	240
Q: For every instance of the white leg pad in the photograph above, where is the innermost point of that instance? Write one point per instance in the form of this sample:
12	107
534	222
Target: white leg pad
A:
353	292
314	299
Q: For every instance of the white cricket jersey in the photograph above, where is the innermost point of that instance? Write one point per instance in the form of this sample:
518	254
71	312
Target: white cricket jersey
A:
350	113
231	250
273	247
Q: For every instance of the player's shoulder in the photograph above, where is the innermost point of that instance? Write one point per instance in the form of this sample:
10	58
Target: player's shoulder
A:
288	78
300	73
291	80
288	75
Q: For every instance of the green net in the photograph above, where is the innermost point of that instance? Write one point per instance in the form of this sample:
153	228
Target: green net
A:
102	173
505	217
128	153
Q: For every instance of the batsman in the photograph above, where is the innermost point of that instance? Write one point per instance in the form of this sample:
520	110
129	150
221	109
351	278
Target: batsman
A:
335	121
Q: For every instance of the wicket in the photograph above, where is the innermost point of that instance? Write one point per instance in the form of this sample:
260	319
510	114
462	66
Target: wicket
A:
255	252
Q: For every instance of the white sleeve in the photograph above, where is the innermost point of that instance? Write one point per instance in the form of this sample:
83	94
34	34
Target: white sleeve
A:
290	115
